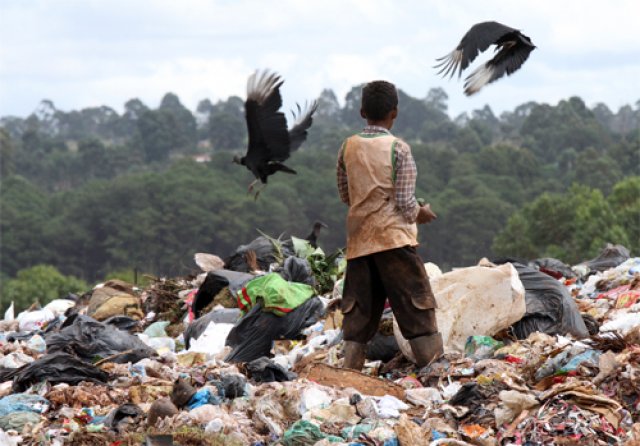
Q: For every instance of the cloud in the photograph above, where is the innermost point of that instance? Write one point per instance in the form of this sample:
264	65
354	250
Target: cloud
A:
82	54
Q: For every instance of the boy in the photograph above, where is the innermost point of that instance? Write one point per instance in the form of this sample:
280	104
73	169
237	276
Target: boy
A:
376	178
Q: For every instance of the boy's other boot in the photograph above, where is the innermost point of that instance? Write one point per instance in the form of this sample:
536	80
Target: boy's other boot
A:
427	348
353	355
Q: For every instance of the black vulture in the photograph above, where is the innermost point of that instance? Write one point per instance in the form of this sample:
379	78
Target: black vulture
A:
270	142
315	232
514	50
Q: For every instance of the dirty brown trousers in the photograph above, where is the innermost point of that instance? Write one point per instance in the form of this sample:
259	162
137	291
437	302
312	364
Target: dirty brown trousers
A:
397	274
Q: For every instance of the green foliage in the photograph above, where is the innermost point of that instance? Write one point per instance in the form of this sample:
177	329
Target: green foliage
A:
24	213
226	131
92	192
41	283
573	226
625	204
7	165
326	269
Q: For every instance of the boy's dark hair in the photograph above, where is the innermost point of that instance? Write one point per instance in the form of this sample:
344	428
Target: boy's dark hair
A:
378	99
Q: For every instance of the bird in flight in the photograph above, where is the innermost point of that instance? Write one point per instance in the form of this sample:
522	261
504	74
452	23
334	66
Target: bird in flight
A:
512	46
270	141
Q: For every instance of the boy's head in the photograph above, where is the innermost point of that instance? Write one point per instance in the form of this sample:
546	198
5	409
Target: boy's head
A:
379	102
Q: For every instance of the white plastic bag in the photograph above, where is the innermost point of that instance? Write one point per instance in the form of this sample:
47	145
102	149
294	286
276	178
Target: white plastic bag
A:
9	314
212	340
479	300
34	320
59	306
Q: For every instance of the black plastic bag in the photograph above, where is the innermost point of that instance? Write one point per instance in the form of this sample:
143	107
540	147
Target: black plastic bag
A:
220	316
124	323
22	335
266	254
117	415
382	348
264	370
214	283
298	270
253	335
88	339
233	386
554	267
550	308
591	323
57	368
470	395
610	257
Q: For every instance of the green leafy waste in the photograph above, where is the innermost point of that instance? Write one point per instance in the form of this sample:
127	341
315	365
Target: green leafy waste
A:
326	269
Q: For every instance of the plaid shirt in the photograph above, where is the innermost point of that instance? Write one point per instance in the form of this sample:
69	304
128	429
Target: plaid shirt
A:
406	173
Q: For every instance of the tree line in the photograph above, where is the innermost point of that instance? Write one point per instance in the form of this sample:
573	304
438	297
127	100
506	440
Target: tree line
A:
93	192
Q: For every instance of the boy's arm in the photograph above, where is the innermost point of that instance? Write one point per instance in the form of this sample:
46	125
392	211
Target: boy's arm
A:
341	173
406	173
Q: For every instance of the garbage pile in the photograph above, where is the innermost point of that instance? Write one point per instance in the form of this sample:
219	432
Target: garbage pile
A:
249	352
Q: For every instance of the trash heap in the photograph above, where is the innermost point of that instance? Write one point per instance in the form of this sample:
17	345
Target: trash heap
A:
249	352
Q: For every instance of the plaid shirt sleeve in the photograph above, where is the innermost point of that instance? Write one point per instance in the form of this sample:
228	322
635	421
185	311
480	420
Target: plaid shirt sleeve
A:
405	174
341	171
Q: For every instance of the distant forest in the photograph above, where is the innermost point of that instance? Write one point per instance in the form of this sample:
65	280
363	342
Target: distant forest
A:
93	191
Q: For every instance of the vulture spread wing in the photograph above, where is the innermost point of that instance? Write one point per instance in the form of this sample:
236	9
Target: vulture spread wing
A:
303	120
514	49
508	60
267	126
270	142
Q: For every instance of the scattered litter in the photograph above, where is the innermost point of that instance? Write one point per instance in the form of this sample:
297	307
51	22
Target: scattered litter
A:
178	363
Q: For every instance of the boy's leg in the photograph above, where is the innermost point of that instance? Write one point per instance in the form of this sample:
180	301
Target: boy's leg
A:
405	279
362	305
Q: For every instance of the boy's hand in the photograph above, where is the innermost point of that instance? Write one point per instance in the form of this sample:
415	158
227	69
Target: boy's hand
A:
425	215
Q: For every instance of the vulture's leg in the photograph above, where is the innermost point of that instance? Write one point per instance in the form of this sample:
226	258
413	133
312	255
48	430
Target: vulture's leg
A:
252	185
258	192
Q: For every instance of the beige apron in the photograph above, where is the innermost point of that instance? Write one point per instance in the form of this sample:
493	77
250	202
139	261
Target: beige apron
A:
374	223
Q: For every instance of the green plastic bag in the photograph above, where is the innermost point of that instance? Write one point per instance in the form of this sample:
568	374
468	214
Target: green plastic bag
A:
481	347
305	433
279	296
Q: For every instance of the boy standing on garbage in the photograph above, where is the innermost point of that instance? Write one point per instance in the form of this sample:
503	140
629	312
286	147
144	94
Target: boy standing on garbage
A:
376	178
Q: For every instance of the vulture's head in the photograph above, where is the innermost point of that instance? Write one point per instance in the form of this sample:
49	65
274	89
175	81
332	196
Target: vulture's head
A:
238	160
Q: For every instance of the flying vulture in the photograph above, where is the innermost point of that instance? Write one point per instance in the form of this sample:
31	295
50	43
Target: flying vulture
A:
514	48
270	142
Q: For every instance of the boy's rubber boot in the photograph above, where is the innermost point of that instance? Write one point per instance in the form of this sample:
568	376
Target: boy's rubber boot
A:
353	355
427	349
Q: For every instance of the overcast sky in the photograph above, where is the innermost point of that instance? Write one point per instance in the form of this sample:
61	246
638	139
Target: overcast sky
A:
84	53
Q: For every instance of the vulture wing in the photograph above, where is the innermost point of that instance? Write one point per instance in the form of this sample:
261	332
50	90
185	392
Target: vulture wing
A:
512	54
267	126
303	120
476	40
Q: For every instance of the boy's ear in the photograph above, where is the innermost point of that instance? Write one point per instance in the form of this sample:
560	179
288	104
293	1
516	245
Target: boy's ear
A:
363	114
394	113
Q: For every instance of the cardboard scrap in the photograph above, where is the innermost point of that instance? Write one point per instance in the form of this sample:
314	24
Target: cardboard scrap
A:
344	378
410	434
